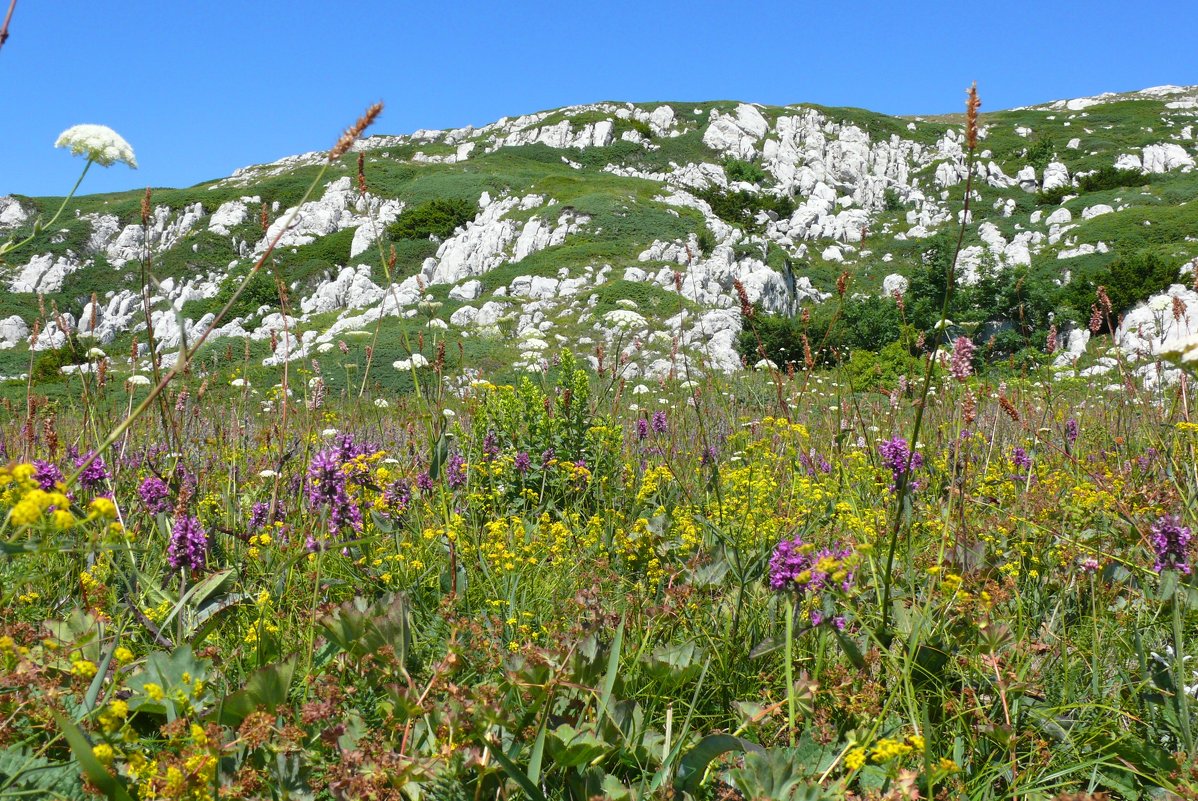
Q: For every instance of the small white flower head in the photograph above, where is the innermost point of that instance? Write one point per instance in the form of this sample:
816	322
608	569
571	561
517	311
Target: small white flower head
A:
417	360
239	382
137	380
329	433
381	403
449	413
99	143
268	474
1160	303
96	353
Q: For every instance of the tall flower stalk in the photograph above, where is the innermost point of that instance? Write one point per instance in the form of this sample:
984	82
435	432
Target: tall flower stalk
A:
903	479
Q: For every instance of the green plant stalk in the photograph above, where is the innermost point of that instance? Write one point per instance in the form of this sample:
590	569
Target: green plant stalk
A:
790	679
1183	701
8	247
904	479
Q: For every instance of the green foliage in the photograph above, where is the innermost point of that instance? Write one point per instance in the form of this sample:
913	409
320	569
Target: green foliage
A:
437	218
741	207
747	171
1134	277
1111	178
1041	151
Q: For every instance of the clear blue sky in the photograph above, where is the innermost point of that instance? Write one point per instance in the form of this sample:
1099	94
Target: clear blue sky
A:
202	88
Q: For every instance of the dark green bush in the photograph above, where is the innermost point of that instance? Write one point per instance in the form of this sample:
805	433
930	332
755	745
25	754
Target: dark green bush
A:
1111	178
437	218
747	171
740	208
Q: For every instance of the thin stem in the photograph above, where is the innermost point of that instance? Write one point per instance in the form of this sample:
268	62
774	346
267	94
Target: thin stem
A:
790	680
1179	679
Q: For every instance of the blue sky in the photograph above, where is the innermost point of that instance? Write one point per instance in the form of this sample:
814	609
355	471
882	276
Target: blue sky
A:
200	89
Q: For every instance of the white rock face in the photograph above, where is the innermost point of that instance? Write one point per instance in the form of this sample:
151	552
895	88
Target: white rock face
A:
341	207
468	290
894	283
1095	211
228	215
351	289
736	134
45	273
1056	175
12	214
163	232
1166	157
13	331
1061	216
1153	325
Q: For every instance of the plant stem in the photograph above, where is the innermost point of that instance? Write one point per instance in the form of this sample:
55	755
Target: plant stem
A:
790	680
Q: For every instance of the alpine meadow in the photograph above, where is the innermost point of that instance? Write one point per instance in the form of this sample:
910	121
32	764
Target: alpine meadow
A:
625	451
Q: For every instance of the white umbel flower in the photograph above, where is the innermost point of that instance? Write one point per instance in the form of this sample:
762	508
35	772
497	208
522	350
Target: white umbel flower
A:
137	380
99	143
417	360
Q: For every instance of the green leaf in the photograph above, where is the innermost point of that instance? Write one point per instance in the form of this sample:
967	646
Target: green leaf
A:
693	764
26	773
851	651
570	747
266	688
515	774
112	787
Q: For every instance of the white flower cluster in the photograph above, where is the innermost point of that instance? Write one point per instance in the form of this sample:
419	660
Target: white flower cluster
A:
623	318
99	143
1184	352
417	360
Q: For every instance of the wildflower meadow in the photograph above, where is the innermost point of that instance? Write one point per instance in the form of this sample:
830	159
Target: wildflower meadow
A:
219	582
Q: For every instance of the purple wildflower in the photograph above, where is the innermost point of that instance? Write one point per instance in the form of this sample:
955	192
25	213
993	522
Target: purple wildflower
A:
424	483
455	471
961	366
94	474
327	487
709	456
547	456
188	545
523	462
46	474
642	428
1171	542
398	496
1021	460
1071	430
787	563
659	422
490	446
795	566
259	515
897	456
155	495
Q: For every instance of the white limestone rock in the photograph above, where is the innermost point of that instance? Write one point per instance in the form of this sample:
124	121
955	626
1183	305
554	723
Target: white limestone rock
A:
468	290
45	273
13	331
1056	175
351	289
1166	157
12	213
1095	211
227	216
894	283
1152	327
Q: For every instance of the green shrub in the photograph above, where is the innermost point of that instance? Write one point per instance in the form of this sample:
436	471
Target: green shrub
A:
747	171
1134	277
1054	196
1111	178
739	208
437	218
